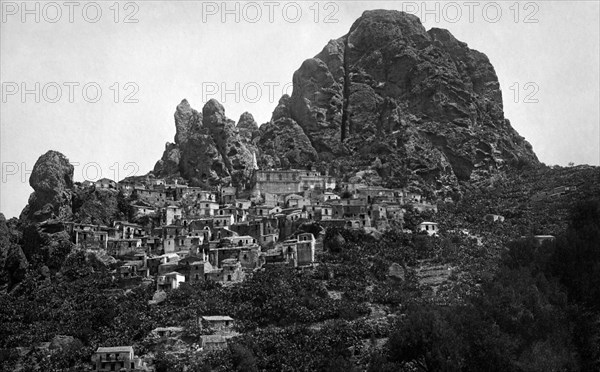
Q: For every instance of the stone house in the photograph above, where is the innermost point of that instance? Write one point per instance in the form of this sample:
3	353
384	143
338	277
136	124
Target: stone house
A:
328	196
154	263
243	204
132	269
168	267
230	271
223	221
239	215
197	270
89	237
375	193
119	358
105	184
305	247
297	201
171	214
169	281
241	241
216	323
431	228
142	209
197	193
265	210
228	194
128	230
204	208
300	251
122	247
155	197
268	239
151	243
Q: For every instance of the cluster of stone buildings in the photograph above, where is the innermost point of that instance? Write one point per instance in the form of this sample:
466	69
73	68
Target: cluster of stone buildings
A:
187	234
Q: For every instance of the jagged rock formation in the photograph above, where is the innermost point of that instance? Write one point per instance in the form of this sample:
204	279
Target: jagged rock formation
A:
419	104
422	101
208	148
52	182
247	127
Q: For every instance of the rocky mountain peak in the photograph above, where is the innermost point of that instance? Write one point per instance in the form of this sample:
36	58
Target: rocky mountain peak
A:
379	27
422	101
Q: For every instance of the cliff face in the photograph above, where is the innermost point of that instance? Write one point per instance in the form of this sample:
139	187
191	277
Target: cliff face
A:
420	104
282	143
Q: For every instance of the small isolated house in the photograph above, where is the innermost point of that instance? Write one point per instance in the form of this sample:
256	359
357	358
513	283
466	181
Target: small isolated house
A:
216	322
118	358
431	228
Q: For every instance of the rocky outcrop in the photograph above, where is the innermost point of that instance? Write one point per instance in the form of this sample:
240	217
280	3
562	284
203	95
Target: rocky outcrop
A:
419	100
208	148
13	262
52	182
247	127
44	238
283	144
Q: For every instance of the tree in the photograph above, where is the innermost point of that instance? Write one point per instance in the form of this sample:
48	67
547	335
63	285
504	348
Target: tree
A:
243	359
426	340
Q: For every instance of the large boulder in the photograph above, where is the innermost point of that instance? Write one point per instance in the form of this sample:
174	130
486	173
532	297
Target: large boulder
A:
52	182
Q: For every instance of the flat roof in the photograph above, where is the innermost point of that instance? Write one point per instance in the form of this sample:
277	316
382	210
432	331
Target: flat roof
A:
216	317
115	349
173	273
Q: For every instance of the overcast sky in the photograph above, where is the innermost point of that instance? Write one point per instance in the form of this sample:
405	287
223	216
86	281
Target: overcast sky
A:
145	57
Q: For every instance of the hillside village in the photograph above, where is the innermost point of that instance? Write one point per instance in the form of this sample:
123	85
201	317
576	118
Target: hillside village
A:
225	234
178	234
